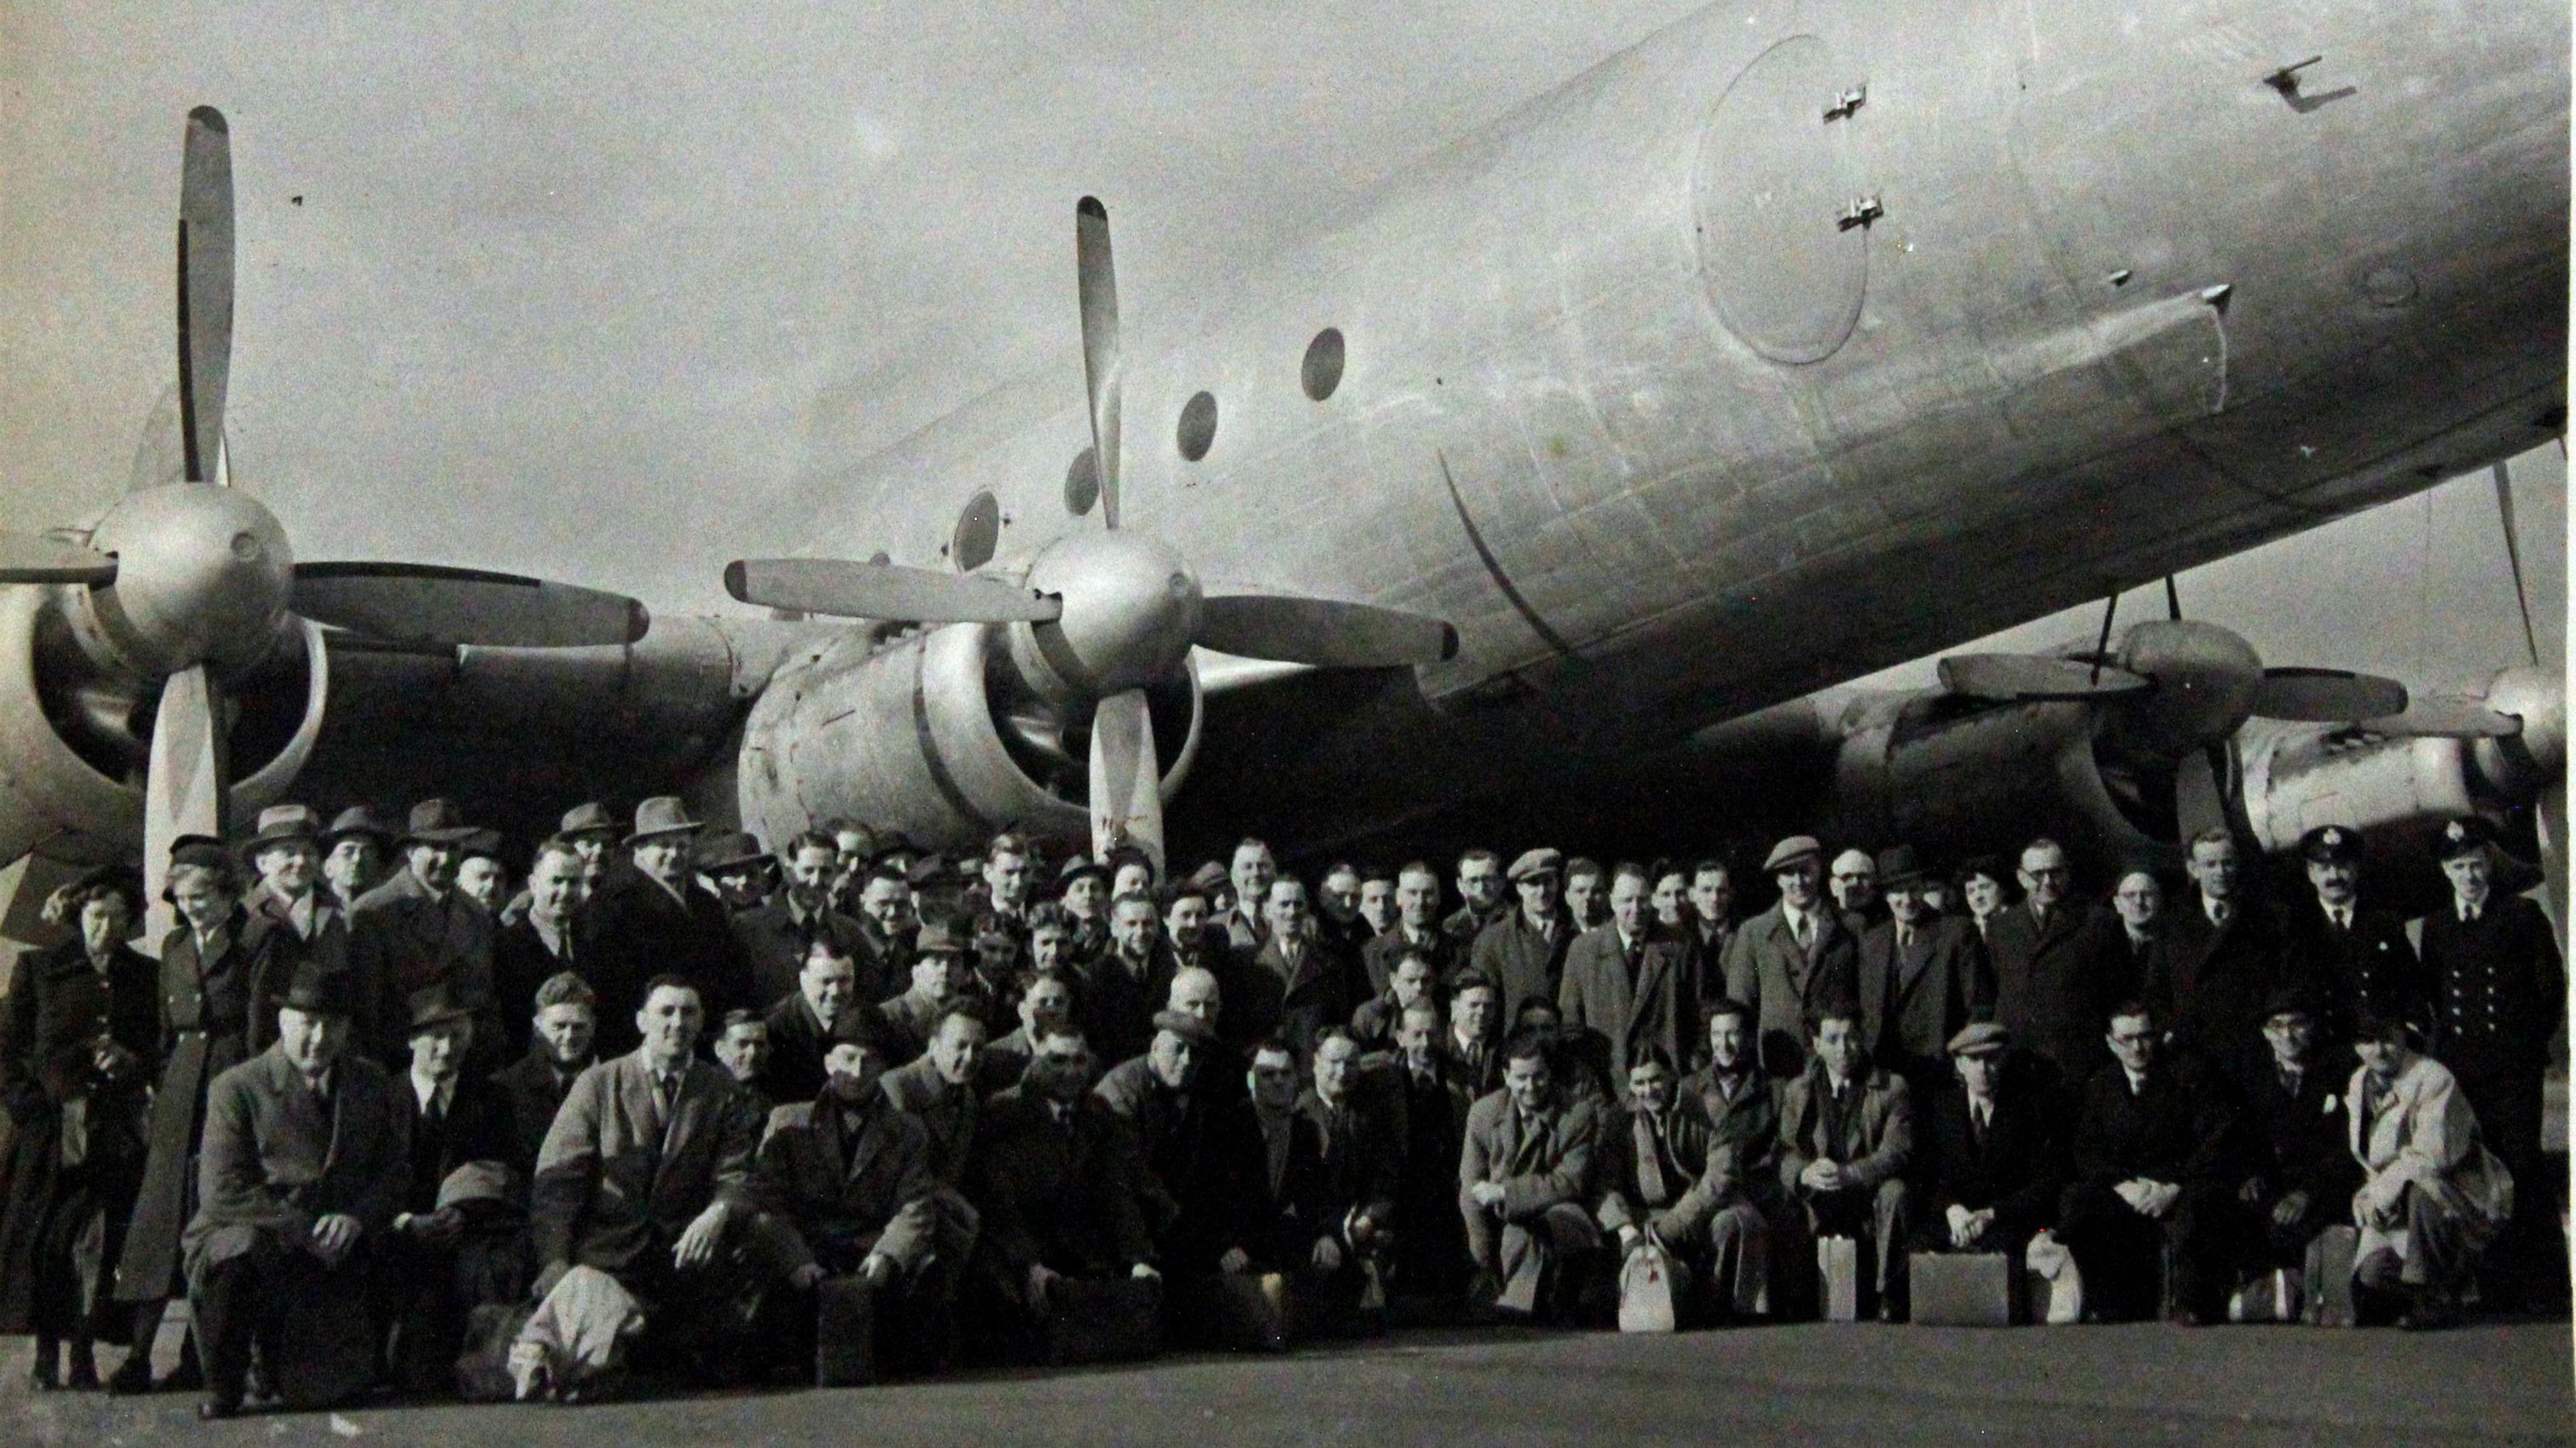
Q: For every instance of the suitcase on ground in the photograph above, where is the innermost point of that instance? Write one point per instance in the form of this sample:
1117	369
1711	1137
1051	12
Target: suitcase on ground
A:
1117	1320
1248	1311
1653	1289
2328	1278
1965	1289
325	1347
845	1332
2275	1296
1838	1279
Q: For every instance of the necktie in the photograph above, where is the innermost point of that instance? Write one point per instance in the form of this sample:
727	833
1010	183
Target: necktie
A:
1651	1186
2218	913
1803	930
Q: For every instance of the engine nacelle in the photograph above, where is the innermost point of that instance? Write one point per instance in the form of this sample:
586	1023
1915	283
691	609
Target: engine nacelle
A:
930	735
70	746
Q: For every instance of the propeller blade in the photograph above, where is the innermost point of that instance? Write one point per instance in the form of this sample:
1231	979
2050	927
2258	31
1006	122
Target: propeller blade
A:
34	558
1126	779
2552	820
424	603
2021	678
184	786
1322	632
1098	283
205	288
2513	556
161	454
844	589
2200	790
2430	718
2327	696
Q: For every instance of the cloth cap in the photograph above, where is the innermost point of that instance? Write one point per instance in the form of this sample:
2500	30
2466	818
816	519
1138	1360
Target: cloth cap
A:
1534	863
1186	1026
1980	1038
1790	851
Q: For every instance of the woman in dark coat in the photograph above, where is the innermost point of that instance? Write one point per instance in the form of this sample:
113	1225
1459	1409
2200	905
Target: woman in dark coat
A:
208	988
77	1038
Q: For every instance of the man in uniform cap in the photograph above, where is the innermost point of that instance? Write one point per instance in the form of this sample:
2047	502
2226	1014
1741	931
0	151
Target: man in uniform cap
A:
655	918
2359	955
353	854
2499	989
417	930
1998	1159
1791	956
1524	952
1922	976
305	1161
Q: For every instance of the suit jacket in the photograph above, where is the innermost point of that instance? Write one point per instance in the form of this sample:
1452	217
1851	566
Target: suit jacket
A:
402	940
633	929
1360	1161
1912	1002
277	1157
909	1019
2372	966
1058	1193
2173	1129
1548	1163
773	943
278	950
797	1046
1117	1005
535	1091
1278	1225
1688	1196
2055	985
479	1126
2018	1170
2299	1141
2499	986
1265	996
1475	1077
1195	1168
1744	1142
618	1180
1660	1009
2209	984
1766	970
1876	1142
948	1114
520	964
1379	954
1522	962
870	1195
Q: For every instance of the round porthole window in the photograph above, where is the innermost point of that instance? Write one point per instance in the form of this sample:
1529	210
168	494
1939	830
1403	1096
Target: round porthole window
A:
1322	371
1198	426
979	532
1082	483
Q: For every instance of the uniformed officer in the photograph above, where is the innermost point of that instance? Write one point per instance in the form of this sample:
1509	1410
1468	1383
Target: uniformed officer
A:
2498	985
2359	956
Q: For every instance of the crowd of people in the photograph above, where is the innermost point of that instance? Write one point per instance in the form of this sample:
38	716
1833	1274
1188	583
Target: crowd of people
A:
671	1101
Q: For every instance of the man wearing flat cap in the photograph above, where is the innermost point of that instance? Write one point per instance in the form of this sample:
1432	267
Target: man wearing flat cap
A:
1193	1163
1792	956
305	1162
2499	989
655	918
1523	952
1922	977
432	1268
416	931
353	854
2358	955
1998	1160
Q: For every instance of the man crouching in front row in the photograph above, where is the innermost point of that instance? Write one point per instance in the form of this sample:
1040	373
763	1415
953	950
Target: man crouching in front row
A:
1522	1174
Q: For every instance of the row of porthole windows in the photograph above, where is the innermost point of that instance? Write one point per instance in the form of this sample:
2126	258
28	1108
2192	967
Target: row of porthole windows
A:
979	527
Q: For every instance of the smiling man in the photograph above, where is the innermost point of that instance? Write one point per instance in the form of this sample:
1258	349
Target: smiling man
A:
417	931
655	918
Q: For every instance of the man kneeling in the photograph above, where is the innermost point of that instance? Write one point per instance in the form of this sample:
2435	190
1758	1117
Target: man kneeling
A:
845	1181
641	1181
1522	1175
1846	1140
1658	1179
2432	1196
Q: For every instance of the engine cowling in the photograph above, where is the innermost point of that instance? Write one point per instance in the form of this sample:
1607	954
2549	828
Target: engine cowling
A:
72	735
932	734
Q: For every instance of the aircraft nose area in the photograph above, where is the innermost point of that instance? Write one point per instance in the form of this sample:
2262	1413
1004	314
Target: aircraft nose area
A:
1131	604
202	572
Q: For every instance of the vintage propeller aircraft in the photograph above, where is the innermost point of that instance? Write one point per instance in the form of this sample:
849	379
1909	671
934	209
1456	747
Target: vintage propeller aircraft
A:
1797	341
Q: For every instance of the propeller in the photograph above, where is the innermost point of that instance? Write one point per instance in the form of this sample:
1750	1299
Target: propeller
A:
205	290
1103	615
2018	678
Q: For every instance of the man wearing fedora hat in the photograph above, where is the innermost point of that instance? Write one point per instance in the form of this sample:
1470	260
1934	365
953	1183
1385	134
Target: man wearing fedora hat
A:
738	869
1192	1179
2499	990
593	834
2358	953
353	854
430	1270
2297	1175
1922	977
1791	956
306	1161
941	976
1523	952
285	853
1998	1159
655	918
417	930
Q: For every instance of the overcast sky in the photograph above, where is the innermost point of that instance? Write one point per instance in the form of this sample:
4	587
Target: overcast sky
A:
567	288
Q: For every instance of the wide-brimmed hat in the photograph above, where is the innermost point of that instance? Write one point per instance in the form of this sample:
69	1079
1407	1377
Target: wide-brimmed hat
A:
357	819
281	822
663	814
435	822
1897	867
432	1006
1534	863
1790	851
321	989
730	850
939	937
1210	876
589	817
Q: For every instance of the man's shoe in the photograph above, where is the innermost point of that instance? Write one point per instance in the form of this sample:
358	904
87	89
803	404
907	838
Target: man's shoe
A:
82	1375
2186	1317
188	1377
2430	1312
211	1410
134	1375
